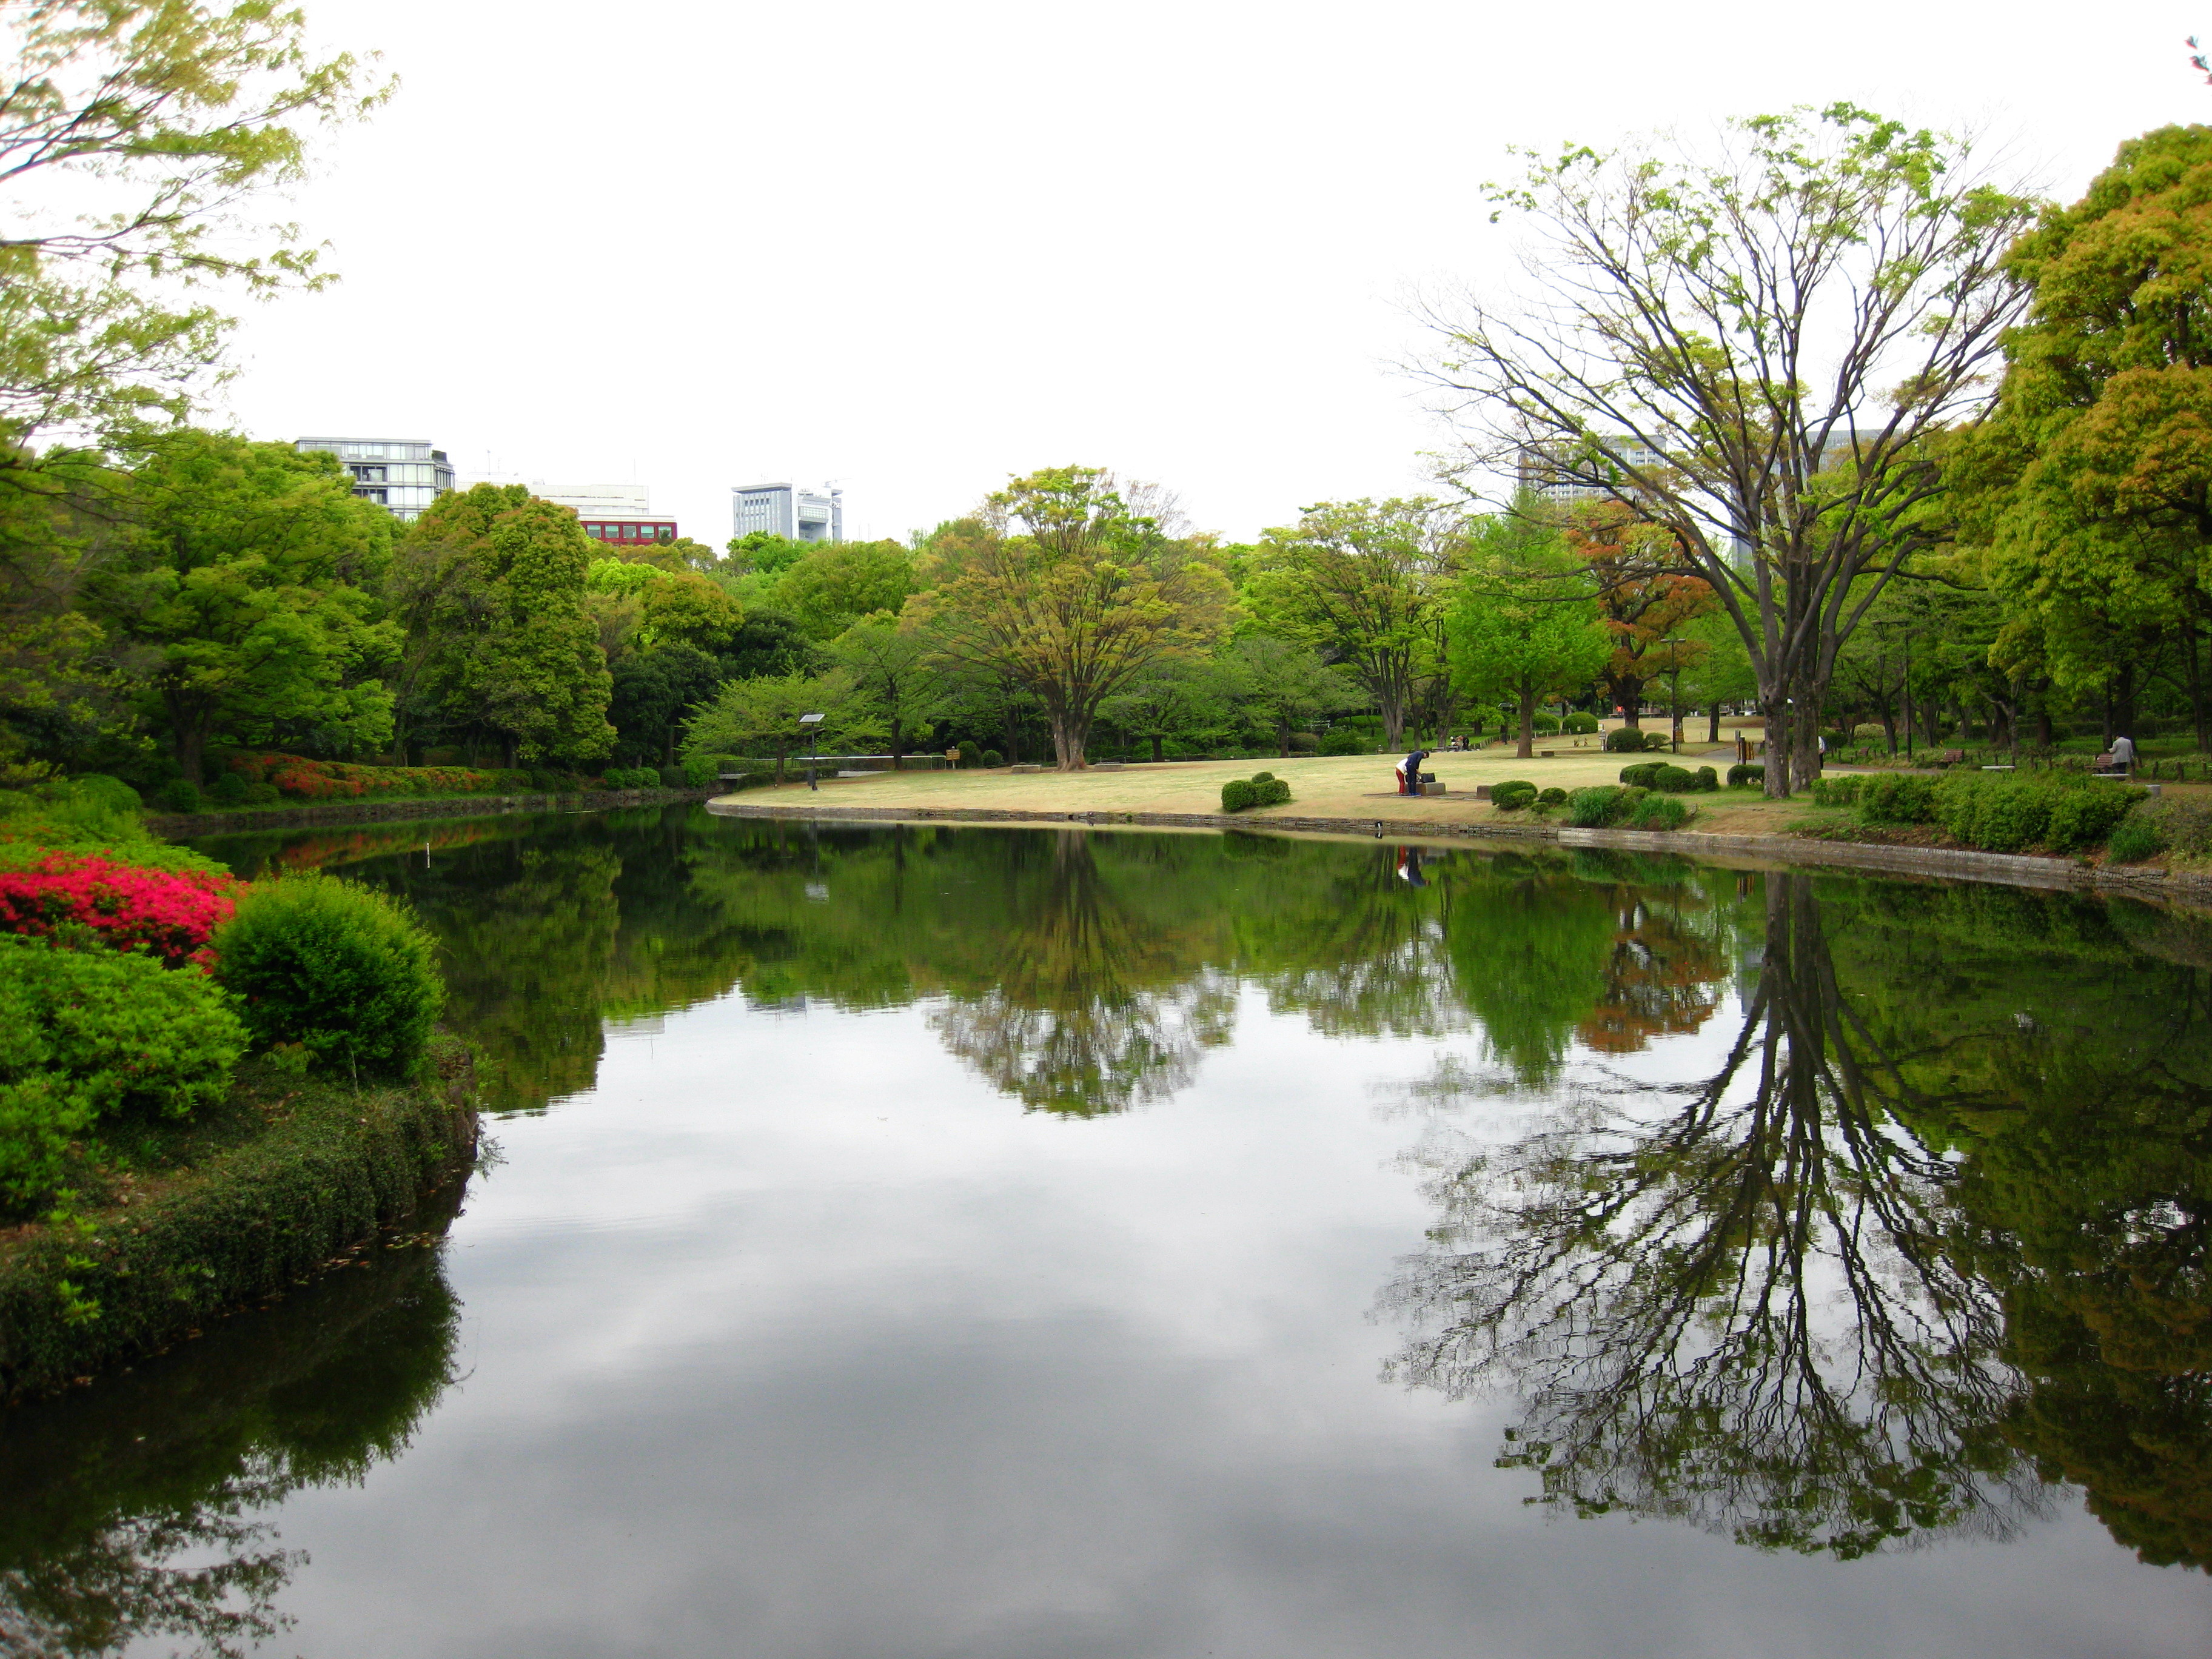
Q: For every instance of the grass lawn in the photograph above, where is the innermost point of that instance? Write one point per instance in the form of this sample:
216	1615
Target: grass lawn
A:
1336	787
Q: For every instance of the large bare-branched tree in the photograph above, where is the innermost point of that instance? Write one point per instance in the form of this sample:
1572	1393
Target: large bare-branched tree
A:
1761	345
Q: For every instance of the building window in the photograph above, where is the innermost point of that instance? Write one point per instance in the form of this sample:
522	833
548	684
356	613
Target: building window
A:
629	533
667	532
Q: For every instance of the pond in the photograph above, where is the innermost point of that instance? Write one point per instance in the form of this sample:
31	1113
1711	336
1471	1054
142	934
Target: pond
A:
926	1241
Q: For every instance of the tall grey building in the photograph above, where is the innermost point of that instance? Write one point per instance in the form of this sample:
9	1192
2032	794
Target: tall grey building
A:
785	510
404	474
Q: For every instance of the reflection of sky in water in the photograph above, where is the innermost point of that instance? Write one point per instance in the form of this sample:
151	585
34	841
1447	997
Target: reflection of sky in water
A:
793	1337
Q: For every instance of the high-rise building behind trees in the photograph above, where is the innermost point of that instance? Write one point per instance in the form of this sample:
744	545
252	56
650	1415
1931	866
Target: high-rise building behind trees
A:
404	474
785	510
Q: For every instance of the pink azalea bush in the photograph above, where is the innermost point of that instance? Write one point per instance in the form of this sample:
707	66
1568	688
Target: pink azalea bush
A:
167	914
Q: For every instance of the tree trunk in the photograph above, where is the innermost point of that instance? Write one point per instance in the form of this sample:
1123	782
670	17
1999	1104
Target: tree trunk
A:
1712	724
1527	748
189	736
1283	733
1068	734
1158	756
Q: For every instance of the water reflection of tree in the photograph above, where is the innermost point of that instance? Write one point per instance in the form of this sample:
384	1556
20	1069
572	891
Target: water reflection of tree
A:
1733	1301
140	1509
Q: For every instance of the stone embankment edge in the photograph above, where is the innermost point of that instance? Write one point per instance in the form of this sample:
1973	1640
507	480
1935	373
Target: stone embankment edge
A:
302	1196
1949	863
174	824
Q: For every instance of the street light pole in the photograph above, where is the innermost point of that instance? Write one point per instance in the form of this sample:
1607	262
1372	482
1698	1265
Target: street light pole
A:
813	725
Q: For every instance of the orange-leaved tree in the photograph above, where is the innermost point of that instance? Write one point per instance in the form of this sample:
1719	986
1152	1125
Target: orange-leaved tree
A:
1643	599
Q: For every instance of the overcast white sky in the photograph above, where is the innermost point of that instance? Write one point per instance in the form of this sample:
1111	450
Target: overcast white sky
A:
915	249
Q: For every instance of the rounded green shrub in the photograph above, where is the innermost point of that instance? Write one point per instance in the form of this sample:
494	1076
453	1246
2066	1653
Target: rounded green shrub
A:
1704	779
1263	777
1836	791
179	795
90	1034
1747	773
1998	812
1599	805
1303	743
2083	816
969	754
1274	793
1553	798
993	758
1544	725
2136	839
1624	740
1661	812
1580	723
1238	796
1638	775
1671	778
1513	794
341	969
1342	743
228	790
668	777
262	794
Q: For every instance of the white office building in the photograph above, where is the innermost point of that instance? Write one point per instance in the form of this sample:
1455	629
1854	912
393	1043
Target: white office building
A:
402	474
1543	472
785	510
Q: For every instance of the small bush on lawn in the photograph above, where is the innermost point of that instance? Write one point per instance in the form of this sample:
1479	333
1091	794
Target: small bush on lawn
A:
1638	775
1671	780
179	795
1305	743
1513	794
1747	773
969	754
338	969
993	758
1704	779
1342	743
2136	839
1624	740
1836	791
1544	725
1553	798
1237	795
1661	812
228	790
1602	804
1580	723
91	1034
669	777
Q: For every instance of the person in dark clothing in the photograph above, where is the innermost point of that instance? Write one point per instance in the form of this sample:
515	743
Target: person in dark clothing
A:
1409	775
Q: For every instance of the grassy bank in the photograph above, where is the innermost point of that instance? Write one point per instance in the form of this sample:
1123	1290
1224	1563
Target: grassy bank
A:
234	1208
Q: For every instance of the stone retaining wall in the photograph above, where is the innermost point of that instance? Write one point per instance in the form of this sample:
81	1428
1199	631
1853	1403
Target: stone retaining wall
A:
1949	863
171	825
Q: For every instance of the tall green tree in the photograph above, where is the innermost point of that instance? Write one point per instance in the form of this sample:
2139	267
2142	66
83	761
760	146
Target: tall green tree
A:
1366	584
1526	625
131	134
238	582
1279	686
1071	590
837	583
896	685
1761	344
495	607
2092	484
760	716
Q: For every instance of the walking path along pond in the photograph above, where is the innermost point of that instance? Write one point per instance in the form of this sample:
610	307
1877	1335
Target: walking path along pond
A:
919	1241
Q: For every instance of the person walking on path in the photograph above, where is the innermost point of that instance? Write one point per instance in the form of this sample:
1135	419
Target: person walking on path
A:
2124	756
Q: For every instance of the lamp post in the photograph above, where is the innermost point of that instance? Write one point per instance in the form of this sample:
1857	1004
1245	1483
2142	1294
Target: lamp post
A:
813	725
1673	642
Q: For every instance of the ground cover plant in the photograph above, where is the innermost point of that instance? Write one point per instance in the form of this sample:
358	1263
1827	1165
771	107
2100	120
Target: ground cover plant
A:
2059	812
293	777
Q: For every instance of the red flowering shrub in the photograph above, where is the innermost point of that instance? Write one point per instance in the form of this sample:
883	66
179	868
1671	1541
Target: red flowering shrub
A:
168	914
302	779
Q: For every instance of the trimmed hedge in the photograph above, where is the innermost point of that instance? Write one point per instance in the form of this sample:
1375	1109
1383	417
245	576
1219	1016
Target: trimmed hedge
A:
1261	789
1553	797
1753	773
332	1168
1513	794
1630	740
1581	724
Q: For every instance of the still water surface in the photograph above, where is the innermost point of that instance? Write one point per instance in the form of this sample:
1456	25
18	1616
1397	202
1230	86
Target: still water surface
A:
930	1241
